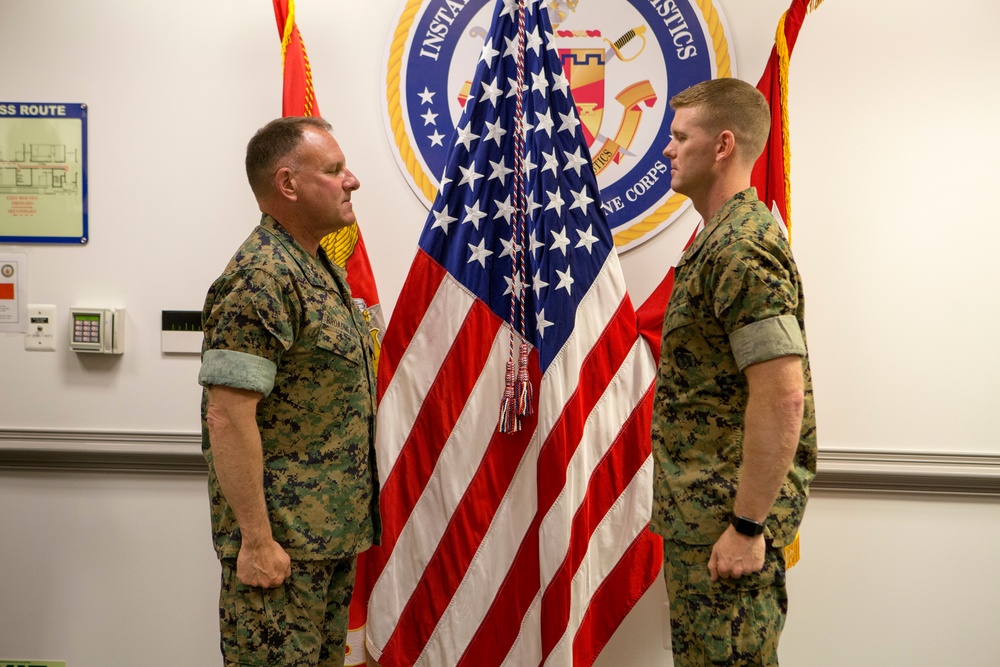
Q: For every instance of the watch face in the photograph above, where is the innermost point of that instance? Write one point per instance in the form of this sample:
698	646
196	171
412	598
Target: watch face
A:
747	526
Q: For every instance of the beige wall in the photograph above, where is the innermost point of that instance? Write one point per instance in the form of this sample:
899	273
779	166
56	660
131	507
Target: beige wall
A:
895	157
117	569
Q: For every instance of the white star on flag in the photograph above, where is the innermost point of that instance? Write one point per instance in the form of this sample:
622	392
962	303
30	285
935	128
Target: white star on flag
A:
587	239
542	324
534	40
514	285
442	221
504	209
511	50
551	162
569	122
565	279
489	53
466	136
479	253
581	200
560	83
535	243
538	284
496	132
500	171
555	201
469	175
574	160
539	83
512	87
545	122
474	214
559	240
491	92
510	246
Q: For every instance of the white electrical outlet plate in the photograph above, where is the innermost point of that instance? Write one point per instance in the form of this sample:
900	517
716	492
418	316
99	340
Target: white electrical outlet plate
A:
41	335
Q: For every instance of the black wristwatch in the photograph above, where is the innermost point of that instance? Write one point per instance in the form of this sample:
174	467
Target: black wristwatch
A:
745	526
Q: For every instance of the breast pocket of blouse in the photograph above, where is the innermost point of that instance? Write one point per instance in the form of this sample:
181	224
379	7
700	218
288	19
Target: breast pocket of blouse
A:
679	335
329	371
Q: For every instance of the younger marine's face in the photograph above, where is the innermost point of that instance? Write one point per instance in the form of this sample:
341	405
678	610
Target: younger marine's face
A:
691	152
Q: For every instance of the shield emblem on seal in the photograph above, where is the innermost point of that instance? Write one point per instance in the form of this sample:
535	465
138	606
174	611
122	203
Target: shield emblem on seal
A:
584	68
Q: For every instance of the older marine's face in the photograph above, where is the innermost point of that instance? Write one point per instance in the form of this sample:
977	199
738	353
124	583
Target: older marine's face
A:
323	182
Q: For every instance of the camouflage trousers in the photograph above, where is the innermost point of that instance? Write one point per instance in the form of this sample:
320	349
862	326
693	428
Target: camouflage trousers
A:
733	622
302	623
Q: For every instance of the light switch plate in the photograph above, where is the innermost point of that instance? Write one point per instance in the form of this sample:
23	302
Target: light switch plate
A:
41	335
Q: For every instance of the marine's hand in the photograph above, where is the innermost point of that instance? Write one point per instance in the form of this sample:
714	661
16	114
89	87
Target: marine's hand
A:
263	564
735	555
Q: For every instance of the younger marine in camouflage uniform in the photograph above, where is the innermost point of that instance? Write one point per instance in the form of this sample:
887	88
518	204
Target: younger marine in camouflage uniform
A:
289	412
733	427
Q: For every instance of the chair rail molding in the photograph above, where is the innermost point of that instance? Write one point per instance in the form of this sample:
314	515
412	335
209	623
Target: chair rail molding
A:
156	452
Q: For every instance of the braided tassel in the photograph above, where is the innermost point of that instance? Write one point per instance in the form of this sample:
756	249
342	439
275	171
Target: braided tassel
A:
509	422
524	392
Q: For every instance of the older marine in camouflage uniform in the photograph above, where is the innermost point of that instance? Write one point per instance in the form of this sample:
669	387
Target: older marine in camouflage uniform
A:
281	328
736	309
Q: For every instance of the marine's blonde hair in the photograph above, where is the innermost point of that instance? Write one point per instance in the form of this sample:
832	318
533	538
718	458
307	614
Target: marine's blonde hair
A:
734	105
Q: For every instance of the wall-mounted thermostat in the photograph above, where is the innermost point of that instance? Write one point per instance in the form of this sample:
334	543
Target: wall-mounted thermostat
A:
97	330
181	333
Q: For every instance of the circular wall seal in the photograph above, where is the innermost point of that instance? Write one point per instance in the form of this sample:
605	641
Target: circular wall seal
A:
624	60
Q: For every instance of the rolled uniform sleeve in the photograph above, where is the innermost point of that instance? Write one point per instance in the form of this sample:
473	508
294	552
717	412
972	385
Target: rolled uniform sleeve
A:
756	300
238	370
767	339
248	323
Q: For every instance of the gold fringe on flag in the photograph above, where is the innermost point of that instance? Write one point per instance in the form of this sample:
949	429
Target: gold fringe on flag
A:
286	38
339	245
792	551
783	59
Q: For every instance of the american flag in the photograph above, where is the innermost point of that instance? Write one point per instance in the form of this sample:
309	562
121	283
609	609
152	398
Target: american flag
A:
527	547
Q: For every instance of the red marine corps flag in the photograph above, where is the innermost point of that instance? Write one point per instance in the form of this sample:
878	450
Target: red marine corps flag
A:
345	248
771	174
515	393
297	97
